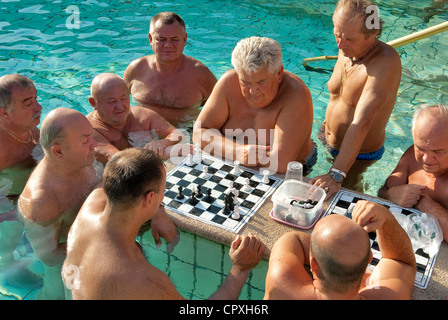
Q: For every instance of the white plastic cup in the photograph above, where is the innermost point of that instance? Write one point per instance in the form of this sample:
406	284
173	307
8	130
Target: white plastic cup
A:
294	171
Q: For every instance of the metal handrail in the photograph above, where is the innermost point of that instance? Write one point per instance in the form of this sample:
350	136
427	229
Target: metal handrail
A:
394	43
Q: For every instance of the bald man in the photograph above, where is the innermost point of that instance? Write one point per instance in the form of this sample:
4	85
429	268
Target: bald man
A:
119	126
420	179
338	252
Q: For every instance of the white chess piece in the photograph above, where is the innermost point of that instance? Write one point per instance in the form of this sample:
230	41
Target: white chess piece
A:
204	174
265	177
229	189
236	214
197	153
189	160
246	186
236	168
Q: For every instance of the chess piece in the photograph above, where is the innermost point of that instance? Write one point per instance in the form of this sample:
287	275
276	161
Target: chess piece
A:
226	206
229	189
265	179
208	198
189	160
193	201
204	174
180	196
236	214
246	186
197	153
199	192
236	168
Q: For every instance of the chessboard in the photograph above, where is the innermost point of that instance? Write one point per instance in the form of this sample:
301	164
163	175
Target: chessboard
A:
343	204
217	192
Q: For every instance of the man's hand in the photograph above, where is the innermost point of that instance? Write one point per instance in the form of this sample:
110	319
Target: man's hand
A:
163	227
406	195
369	215
253	155
246	251
327	183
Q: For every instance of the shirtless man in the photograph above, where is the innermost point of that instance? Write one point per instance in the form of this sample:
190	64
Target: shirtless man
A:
338	252
258	113
56	190
170	83
103	261
421	176
363	90
19	116
118	126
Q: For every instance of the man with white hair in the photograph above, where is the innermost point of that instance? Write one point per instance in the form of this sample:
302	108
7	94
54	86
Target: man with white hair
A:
421	176
258	113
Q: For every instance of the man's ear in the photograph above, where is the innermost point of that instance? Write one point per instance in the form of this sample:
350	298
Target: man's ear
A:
92	103
57	151
4	113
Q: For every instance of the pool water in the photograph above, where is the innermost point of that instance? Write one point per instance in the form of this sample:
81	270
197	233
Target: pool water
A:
35	42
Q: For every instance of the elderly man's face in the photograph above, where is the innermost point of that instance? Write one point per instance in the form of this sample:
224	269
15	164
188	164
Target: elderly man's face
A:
259	88
431	145
168	41
113	104
349	38
25	111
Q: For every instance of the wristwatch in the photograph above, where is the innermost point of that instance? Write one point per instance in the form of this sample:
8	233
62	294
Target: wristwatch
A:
336	176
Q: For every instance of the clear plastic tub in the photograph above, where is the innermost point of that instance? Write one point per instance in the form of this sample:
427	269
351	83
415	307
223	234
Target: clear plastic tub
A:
290	204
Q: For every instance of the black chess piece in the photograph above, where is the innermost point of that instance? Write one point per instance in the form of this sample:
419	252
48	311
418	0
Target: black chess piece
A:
193	201
180	196
226	206
208	198
199	192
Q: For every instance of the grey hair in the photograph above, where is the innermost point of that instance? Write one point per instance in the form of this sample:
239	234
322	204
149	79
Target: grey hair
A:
51	134
254	53
443	112
8	83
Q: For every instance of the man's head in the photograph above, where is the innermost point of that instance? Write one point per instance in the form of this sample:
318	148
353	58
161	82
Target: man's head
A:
66	134
353	29
167	36
109	96
132	175
340	253
258	63
18	102
430	133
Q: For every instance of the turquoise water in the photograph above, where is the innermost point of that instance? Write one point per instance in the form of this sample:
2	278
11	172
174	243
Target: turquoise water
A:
35	42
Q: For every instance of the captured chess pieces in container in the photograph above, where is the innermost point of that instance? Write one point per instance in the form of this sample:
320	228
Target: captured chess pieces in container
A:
297	204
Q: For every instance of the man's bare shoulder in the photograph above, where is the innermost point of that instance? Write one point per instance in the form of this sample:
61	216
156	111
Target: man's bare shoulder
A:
40	205
385	57
137	67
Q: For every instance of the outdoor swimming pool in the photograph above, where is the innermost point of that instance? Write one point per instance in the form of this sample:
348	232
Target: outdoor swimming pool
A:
35	42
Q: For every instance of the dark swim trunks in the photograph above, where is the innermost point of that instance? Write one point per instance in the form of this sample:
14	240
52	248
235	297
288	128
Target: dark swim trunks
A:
370	156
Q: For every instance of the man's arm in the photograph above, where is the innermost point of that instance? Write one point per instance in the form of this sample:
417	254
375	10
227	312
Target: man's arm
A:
394	275
426	204
245	252
104	150
396	187
375	94
289	137
287	272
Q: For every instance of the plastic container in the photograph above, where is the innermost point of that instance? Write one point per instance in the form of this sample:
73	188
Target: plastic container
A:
288	207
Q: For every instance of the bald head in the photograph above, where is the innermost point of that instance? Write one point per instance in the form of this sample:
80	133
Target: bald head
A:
341	249
56	123
104	83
